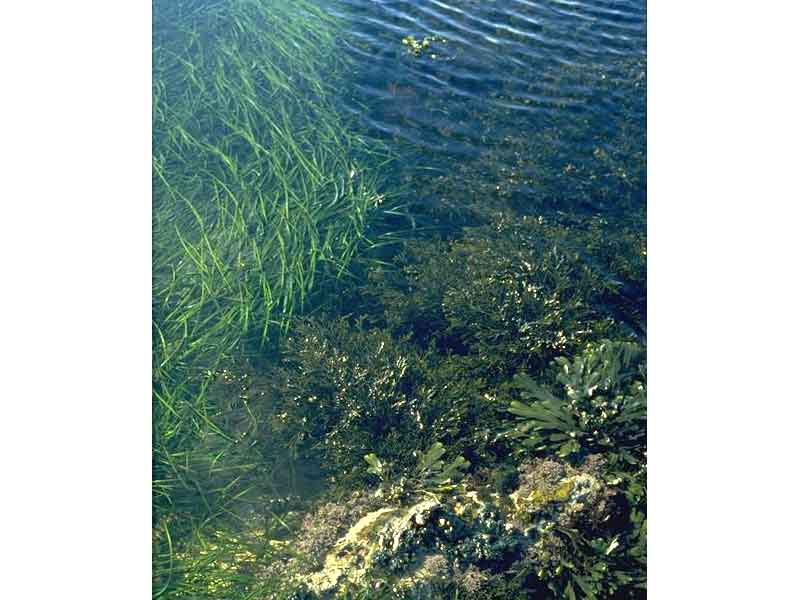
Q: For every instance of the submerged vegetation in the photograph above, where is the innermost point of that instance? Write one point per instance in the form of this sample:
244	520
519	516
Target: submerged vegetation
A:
417	47
261	195
515	463
343	412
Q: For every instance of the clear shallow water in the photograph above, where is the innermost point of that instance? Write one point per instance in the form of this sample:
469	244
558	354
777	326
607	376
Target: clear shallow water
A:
270	171
542	101
537	106
514	107
501	58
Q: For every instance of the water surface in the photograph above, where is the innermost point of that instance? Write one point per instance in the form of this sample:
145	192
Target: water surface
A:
540	103
537	105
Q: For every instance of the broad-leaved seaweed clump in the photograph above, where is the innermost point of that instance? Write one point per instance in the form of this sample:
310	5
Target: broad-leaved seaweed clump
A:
431	476
603	406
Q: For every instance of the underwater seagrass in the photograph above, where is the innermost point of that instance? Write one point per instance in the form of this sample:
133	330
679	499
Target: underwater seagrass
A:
261	196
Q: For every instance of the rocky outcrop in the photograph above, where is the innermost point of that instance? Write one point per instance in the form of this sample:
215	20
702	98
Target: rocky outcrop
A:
463	538
378	534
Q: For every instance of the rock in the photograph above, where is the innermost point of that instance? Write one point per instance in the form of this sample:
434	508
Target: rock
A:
555	493
466	538
353	556
429	572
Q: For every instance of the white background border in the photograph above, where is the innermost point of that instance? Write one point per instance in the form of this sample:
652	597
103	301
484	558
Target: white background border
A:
75	300
723	329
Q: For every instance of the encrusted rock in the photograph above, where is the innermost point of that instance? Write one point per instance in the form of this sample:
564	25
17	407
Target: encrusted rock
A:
429	572
353	556
552	492
463	538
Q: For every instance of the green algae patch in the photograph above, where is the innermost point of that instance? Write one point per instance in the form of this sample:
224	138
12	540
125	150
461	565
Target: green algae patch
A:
539	498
